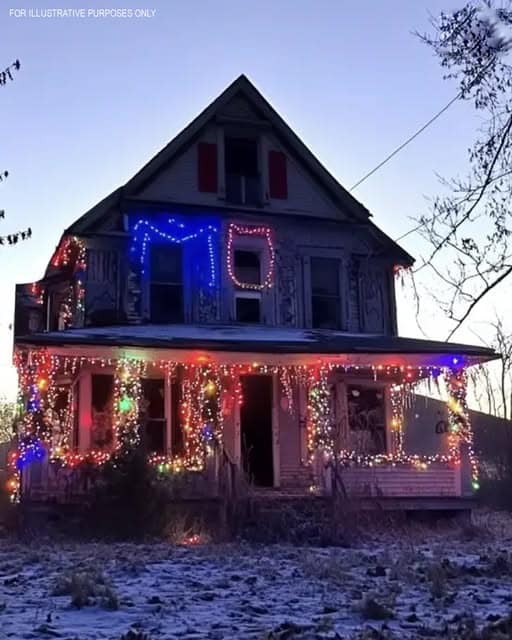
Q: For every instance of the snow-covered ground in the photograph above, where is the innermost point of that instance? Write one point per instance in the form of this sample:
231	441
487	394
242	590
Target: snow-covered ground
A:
423	580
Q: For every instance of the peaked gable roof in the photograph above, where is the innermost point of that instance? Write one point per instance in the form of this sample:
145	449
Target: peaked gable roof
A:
243	86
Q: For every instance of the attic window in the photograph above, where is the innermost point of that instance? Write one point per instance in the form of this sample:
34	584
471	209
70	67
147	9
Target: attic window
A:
242	174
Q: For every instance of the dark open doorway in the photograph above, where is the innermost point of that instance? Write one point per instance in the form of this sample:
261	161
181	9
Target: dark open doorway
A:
256	429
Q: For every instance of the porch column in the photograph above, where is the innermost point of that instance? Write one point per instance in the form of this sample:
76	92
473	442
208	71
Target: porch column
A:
461	434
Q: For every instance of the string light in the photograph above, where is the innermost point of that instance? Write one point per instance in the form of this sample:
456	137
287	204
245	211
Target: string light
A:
71	254
173	231
458	418
264	232
207	391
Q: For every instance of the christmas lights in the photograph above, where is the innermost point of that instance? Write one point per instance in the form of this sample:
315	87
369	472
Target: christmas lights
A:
421	462
173	231
208	392
127	396
319	422
71	255
458	416
396	397
263	232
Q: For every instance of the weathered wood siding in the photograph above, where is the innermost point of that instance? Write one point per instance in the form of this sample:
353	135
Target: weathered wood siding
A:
438	480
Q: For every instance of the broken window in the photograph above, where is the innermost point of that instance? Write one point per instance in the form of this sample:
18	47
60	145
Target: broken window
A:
367	418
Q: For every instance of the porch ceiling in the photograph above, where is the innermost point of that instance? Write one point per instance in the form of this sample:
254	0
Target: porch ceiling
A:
285	343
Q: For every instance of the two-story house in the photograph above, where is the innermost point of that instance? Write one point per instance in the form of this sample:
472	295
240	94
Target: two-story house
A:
233	299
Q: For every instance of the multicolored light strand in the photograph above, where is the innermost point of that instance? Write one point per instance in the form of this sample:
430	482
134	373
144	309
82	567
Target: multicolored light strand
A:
209	392
262	232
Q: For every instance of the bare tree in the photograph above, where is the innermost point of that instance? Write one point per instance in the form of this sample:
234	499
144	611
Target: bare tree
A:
7	419
6	76
468	230
492	383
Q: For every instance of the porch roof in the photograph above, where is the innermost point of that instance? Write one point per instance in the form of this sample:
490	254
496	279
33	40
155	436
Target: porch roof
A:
264	340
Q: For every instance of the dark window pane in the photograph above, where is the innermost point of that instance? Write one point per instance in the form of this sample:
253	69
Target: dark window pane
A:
102	391
166	263
242	189
166	303
101	410
242	175
153	393
366	415
241	156
248	310
247	267
252	190
325	312
325	276
155	436
234	188
153	410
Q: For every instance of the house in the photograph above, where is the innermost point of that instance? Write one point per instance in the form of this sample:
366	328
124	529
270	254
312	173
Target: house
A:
232	306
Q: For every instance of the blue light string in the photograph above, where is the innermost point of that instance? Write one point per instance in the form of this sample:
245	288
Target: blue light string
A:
30	451
151	232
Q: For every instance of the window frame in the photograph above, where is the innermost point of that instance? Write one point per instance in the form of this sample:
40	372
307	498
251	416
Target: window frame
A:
255	251
252	136
343	385
333	254
267	296
184	284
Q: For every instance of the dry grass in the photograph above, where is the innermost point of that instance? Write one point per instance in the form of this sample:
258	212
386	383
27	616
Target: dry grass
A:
86	588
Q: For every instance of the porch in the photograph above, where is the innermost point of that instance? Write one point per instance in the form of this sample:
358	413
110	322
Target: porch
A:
226	423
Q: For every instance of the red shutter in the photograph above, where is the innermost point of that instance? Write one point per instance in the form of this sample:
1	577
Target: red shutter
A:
207	167
277	179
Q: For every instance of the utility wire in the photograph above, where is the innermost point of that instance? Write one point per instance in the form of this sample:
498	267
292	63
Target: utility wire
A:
404	144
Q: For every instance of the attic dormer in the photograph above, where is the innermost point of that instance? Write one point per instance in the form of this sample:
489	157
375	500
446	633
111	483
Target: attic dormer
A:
242	167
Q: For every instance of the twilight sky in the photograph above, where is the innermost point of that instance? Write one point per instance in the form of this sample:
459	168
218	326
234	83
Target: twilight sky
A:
97	97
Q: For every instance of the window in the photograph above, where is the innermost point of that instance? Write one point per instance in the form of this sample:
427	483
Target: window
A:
247	267
242	175
248	307
367	418
166	293
325	293
153	409
102	399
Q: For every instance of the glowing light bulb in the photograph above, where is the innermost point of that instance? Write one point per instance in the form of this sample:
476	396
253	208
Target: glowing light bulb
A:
125	404
210	388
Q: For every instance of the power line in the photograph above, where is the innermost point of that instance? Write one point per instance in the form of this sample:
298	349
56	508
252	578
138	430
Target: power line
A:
404	144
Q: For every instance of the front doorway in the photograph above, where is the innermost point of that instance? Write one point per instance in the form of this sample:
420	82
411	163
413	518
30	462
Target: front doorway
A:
256	429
